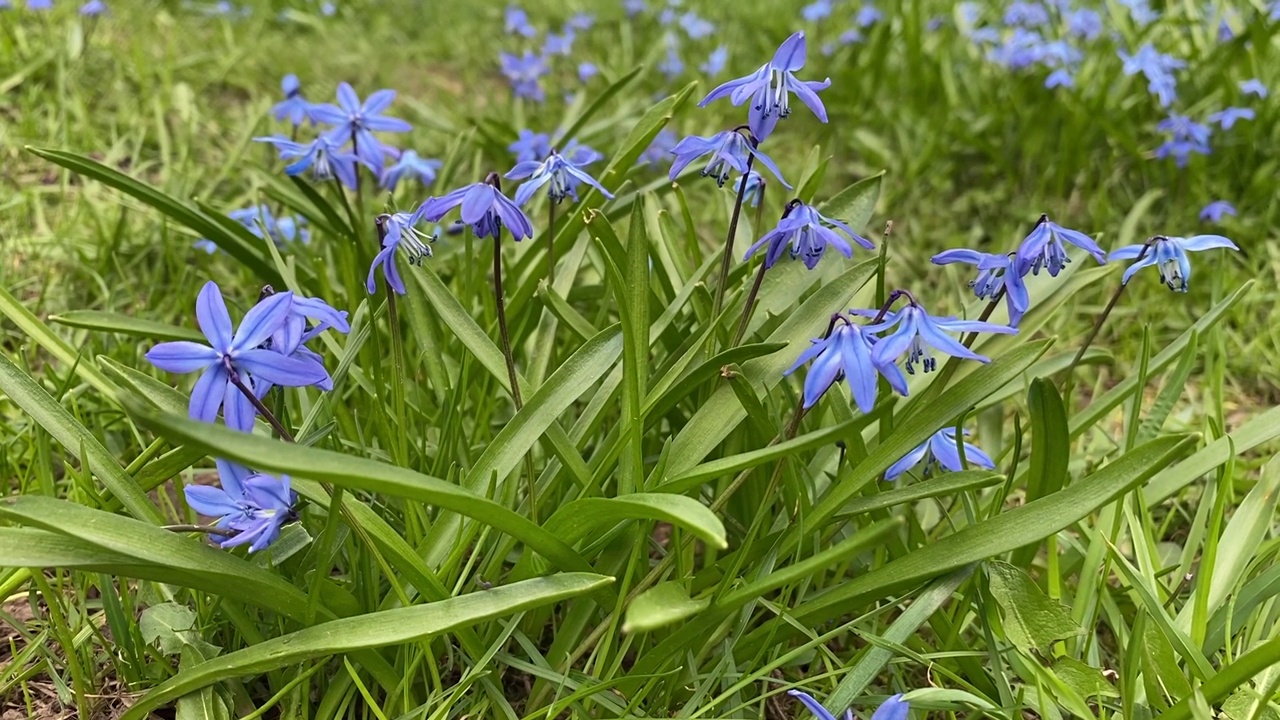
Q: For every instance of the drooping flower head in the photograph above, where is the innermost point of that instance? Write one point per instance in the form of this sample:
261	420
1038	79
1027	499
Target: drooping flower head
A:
326	159
517	22
1254	87
754	190
1043	248
525	72
1169	255
997	273
93	8
412	166
357	122
941	449
845	353
530	145
729	150
293	107
230	357
1228	117
769	89
559	172
894	708
1216	210
659	149
399	233
808	233
483	207
915	332
253	505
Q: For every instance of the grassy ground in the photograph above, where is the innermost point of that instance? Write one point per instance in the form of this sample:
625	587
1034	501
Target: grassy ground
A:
1148	462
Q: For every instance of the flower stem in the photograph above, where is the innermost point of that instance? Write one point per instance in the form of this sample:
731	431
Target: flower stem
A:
262	409
1097	325
750	305
551	241
500	299
206	529
728	241
398	380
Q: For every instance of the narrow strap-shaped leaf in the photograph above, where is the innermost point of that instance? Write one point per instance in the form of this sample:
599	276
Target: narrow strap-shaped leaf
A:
578	519
104	321
54	345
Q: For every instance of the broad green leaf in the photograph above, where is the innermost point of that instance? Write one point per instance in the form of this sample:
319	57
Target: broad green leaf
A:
1086	680
75	439
1229	677
103	321
1261	429
380	629
601	100
353	473
578	519
854	204
54	345
671	389
1022	525
1165	681
172	627
944	485
1032	621
176	209
1050	450
661	605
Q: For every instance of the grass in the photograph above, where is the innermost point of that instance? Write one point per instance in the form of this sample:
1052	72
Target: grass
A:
693	546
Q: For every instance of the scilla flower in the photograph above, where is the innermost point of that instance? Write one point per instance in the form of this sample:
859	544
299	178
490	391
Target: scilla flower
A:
558	171
323	157
808	233
916	331
230	358
941	449
483	207
412	166
294	107
254	505
1169	255
996	273
357	122
398	233
846	353
895	708
1043	248
769	89
729	150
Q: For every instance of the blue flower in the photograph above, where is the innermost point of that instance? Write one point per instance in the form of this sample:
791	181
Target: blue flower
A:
39	4
916	331
93	8
581	21
806	231
671	66
754	190
817	10
409	164
1059	78
1254	87
1158	69
281	230
716	61
291	337
867	16
894	708
1228	117
483	207
659	149
996	273
769	89
357	122
294	107
728	149
525	73
517	22
399	232
1188	137
1043	248
846	353
530	146
580	154
1026	14
1169	255
634	7
940	449
1140	11
254	505
1216	210
695	27
560	171
229	356
586	71
323	157
561	44
1084	23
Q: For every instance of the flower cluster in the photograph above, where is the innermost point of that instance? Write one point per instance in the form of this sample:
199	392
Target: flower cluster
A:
282	230
526	70
251	507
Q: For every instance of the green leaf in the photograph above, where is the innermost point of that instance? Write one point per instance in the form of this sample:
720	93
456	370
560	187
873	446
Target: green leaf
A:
599	103
174	208
855	204
75	439
389	627
54	345
1261	429
1229	677
1086	680
1050	450
945	485
103	321
1174	386
1165	681
579	518
174	627
1032	621
661	605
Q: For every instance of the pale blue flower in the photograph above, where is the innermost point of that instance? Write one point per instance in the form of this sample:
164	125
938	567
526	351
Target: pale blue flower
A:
894	708
659	149
867	16
294	107
1043	248
754	190
940	450
817	10
915	331
807	233
845	353
1216	210
1254	87
254	505
1026	14
1060	78
525	74
1227	118
1169	255
483	207
716	61
356	122
728	150
769	89
516	22
695	27
996	273
399	233
560	172
412	166
530	145
586	71
324	158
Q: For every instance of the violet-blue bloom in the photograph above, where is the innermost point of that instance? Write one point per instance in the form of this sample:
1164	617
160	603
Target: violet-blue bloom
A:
484	208
581	21
1140	11
996	273
634	7
1026	14
294	107
1084	23
412	166
846	353
229	356
525	74
893	708
1228	117
754	189
1059	78
326	159
808	233
769	89
1043	248
659	149
1254	87
93	8
716	61
558	44
940	450
817	10
293	335
559	171
867	16
281	230
516	21
39	4
1216	210
254	505
671	66
1188	136
1158	69
356	122
915	331
1169	255
586	71
695	27
530	146
399	232
728	150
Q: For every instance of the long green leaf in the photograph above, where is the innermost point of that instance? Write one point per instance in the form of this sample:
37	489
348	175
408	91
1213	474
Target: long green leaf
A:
380	629
103	321
54	345
577	519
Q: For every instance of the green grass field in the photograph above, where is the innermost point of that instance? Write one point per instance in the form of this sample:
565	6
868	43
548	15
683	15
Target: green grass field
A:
636	510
